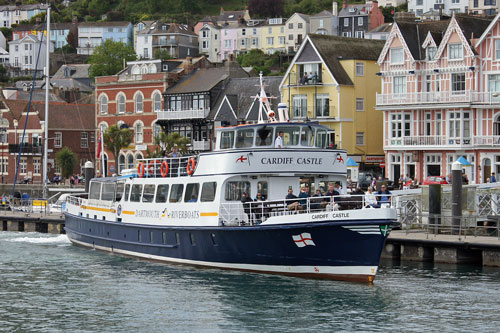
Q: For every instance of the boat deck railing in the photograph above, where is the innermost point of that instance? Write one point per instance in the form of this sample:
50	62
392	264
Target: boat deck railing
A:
166	166
256	212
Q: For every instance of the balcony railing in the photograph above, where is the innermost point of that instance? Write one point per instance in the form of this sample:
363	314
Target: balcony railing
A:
183	114
311	80
491	97
28	149
428	141
434	97
490	141
201	145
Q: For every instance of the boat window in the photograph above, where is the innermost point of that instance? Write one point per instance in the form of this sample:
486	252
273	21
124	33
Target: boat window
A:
321	138
226	139
176	193
119	191
264	136
191	194
244	138
290	135
307	137
262	188
127	191
149	193
95	190
135	195
108	191
235	189
208	191
162	193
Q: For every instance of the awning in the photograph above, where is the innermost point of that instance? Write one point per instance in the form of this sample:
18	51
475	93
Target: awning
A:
351	163
462	160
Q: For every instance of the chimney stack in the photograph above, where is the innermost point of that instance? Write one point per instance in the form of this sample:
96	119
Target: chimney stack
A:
344	5
335	8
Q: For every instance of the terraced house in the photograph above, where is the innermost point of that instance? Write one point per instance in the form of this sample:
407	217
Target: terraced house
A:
332	80
440	97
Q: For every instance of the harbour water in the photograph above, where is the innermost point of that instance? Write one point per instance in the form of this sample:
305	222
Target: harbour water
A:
48	285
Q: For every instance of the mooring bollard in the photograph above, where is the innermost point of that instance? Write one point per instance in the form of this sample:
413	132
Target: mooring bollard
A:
435	207
89	174
456	197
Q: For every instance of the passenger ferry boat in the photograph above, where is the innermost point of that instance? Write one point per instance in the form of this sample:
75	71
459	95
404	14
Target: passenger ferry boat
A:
188	210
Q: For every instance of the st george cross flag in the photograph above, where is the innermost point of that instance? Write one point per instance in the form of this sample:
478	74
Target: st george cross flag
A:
303	239
99	146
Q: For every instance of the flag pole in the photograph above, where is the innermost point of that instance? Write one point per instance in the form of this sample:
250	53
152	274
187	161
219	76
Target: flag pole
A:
102	155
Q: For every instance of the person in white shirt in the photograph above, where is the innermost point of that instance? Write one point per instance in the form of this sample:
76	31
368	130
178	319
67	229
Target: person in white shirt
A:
370	198
278	143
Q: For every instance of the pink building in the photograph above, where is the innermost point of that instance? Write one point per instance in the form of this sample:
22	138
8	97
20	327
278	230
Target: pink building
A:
441	97
228	40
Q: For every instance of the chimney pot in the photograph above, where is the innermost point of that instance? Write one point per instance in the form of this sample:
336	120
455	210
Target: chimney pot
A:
344	4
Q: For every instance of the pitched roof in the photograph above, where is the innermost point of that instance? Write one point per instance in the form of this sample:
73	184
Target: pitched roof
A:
386	27
323	14
77	71
170	28
333	49
241	94
68	116
203	79
356	10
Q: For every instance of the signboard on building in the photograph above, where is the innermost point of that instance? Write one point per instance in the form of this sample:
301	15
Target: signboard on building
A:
376	159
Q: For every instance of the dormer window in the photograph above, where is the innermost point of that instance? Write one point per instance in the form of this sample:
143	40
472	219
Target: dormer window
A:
164	27
67	72
431	52
397	56
455	52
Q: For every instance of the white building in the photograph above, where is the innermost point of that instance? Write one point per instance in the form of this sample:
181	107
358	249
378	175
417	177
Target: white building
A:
209	42
23	53
486	7
419	7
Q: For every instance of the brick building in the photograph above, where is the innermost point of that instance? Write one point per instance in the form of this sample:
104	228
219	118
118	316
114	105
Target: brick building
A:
70	125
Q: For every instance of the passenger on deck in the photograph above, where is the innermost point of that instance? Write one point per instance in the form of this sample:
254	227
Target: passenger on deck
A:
330	196
290	200
174	167
278	143
316	200
246	200
357	198
303	195
175	152
193	198
258	209
370	198
384	195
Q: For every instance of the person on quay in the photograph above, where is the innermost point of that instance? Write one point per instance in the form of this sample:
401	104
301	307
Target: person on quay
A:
493	179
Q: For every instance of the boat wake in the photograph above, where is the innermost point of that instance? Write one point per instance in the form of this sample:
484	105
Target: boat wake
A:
36	238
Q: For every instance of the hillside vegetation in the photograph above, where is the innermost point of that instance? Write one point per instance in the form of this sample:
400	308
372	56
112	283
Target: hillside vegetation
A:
182	11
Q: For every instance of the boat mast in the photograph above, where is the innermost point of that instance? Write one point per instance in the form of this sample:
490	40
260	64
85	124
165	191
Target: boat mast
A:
47	85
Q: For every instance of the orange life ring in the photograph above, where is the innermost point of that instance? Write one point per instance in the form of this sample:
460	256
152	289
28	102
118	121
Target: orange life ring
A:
140	169
151	167
190	166
164	169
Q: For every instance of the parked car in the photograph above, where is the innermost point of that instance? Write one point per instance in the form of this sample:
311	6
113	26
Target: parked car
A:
435	180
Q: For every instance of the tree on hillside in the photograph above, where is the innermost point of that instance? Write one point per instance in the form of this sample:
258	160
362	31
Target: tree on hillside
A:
266	8
260	61
108	58
115	139
66	160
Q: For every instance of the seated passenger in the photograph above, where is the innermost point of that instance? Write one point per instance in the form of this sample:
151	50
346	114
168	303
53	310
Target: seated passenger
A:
357	198
246	200
193	198
330	196
303	195
370	198
384	195
290	200
316	200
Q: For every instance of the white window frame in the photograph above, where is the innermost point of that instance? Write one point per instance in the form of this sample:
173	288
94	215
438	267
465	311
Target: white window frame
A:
139	102
397	55
360	138
360	21
399	85
156	103
139	133
459	125
299	106
58	140
119	104
400	124
84	140
497	49
455	52
454	83
103	106
360	69
36	165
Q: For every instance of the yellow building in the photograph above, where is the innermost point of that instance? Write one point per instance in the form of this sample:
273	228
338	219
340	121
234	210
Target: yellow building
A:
273	36
332	80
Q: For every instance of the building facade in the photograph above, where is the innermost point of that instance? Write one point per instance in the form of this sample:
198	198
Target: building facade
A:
339	93
296	29
23	53
439	97
209	42
92	34
273	36
356	20
447	7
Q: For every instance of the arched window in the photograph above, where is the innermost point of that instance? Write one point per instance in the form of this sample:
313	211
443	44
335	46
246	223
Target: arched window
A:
121	103
135	70
138	133
156	130
138	103
152	69
496	126
156	102
144	70
103	104
130	161
121	164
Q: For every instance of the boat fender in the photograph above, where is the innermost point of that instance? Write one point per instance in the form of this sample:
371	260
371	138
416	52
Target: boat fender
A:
140	169
190	166
164	169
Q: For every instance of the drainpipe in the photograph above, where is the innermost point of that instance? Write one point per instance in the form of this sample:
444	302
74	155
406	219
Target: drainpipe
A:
338	117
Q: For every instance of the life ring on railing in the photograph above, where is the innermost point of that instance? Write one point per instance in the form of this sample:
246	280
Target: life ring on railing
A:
164	169
190	166
151	167
140	169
